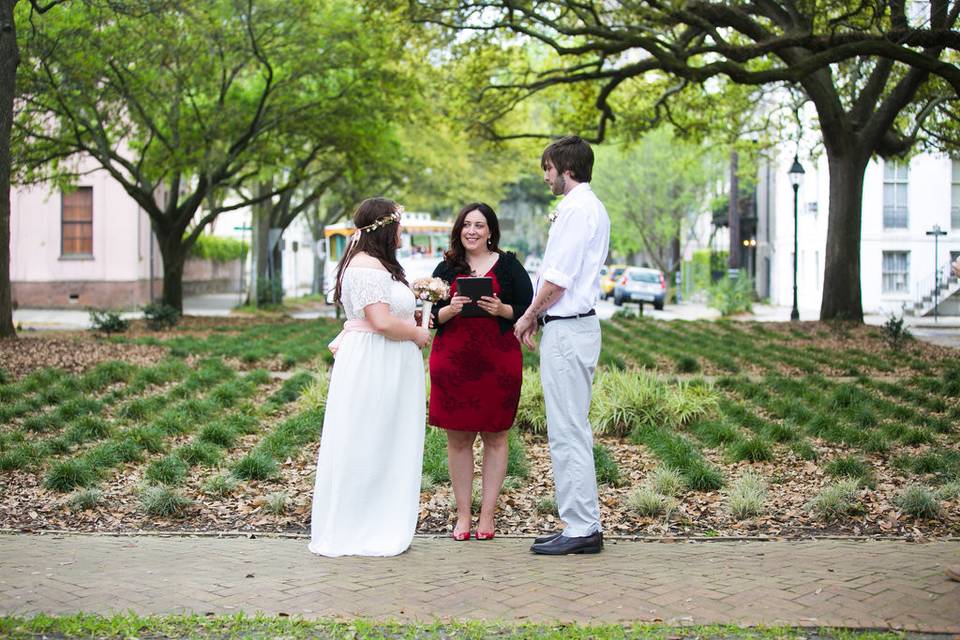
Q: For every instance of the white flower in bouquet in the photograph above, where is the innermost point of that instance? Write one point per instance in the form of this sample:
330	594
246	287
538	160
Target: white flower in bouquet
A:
430	291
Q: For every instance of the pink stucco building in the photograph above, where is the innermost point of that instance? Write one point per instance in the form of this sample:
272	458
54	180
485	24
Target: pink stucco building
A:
92	247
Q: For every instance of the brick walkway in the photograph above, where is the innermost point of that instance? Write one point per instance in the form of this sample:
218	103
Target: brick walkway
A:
824	583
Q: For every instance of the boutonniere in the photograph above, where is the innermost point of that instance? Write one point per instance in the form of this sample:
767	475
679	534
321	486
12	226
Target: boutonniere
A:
552	217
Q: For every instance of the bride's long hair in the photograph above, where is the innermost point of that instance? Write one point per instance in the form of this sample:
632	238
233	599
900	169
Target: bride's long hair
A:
380	243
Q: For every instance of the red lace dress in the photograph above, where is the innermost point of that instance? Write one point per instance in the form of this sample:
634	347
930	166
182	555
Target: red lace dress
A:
475	373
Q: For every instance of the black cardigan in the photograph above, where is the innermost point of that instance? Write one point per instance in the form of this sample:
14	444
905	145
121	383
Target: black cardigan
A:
515	288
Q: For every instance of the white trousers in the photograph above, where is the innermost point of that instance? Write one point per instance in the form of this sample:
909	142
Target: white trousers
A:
569	350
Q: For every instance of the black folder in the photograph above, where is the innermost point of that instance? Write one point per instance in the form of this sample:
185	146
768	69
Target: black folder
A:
475	288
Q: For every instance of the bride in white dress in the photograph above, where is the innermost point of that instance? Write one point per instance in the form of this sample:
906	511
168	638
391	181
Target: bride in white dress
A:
367	491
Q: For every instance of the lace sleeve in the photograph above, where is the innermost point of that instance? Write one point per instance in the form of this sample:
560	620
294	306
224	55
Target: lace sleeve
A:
366	286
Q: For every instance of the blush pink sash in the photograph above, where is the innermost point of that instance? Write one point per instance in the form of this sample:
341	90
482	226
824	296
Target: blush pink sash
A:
353	325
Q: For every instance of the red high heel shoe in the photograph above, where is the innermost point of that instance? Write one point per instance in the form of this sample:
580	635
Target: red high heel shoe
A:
462	536
485	535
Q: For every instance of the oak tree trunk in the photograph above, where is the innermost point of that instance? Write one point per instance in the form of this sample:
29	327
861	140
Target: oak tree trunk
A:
841	278
9	59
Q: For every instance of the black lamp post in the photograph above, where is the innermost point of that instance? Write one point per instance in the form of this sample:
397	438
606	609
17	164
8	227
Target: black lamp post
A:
796	178
936	232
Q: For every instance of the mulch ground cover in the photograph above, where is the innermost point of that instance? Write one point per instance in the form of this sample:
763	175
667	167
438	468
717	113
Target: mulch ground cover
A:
525	509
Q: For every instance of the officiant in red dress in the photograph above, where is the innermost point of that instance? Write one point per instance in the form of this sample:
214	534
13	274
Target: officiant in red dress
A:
475	364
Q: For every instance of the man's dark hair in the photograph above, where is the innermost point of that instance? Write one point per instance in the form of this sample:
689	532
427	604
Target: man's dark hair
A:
571	153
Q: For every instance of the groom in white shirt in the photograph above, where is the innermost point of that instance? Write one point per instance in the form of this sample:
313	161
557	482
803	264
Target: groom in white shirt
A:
567	290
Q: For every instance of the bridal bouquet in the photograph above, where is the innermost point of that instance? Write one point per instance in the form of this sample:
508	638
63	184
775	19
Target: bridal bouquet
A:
429	291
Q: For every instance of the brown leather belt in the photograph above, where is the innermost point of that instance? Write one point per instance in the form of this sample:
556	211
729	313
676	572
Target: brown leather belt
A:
545	319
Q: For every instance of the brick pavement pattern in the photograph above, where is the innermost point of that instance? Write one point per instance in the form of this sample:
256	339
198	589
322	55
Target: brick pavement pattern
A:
874	584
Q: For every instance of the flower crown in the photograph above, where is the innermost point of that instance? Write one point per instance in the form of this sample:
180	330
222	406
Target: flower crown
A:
382	222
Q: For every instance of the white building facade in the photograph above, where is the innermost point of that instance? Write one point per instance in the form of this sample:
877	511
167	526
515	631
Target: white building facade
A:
902	202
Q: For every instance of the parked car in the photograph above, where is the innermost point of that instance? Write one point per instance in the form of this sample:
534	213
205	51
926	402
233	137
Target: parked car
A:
609	275
638	284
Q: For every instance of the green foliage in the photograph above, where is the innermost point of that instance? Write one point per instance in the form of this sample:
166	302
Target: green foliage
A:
646	502
754	449
730	296
199	452
606	467
218	433
218	248
313	397
653	189
667	481
837	500
546	506
160	500
276	503
919	502
531	413
435	455
84	499
108	322
517	463
70	474
895	333
627	400
256	465
292	387
159	316
168	470
747	496
220	485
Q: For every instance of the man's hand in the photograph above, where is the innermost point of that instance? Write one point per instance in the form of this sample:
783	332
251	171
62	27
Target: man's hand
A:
525	328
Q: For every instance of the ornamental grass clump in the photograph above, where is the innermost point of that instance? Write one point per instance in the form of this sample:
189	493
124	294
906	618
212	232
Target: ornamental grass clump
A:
546	506
256	465
276	503
606	467
849	467
645	501
667	481
160	500
627	400
84	499
313	397
518	465
168	470
837	500
200	453
754	449
218	433
949	491
70	474
747	496
87	428
435	456
919	502
219	485
531	413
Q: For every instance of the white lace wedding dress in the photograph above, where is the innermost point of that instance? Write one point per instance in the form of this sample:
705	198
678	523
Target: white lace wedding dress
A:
367	492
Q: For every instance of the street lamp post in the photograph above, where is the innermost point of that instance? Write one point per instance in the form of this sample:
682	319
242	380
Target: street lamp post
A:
796	178
936	232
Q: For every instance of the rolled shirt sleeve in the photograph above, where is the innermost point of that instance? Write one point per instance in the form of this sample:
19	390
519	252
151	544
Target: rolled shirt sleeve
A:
569	237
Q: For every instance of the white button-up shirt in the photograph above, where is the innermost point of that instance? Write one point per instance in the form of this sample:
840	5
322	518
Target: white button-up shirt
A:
576	249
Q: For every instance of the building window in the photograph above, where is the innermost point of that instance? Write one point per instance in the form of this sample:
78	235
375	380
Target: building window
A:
896	271
77	222
895	214
955	196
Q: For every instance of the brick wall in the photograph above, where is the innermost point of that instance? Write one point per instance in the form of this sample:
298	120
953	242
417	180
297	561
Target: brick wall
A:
200	276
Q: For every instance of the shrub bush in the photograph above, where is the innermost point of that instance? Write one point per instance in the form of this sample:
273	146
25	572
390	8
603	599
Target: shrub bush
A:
836	501
159	316
219	249
531	414
731	296
895	333
435	455
108	322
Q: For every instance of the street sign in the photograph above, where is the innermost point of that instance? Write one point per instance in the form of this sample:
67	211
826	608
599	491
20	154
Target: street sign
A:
242	228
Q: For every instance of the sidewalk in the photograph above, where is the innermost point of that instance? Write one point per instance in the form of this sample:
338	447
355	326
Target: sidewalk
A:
836	583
